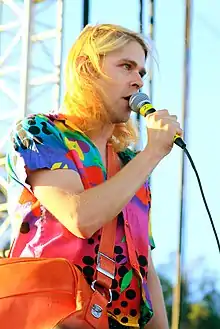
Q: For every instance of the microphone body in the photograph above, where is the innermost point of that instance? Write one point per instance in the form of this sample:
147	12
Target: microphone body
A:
140	103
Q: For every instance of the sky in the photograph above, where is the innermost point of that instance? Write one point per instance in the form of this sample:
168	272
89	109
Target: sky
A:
201	130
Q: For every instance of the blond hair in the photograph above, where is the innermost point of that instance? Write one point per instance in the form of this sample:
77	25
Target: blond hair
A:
83	101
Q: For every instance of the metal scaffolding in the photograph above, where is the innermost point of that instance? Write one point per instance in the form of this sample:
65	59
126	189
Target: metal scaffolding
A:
30	65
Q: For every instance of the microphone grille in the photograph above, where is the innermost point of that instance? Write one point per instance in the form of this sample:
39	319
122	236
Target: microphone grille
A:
137	100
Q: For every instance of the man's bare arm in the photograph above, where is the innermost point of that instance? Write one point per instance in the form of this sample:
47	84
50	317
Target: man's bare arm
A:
81	211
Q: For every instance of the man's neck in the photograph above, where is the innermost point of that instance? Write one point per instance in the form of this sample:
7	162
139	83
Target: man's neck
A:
100	138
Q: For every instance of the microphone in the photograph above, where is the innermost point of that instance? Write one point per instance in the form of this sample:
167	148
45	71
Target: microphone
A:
140	103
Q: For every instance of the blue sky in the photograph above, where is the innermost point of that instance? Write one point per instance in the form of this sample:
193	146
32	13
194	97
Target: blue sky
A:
202	124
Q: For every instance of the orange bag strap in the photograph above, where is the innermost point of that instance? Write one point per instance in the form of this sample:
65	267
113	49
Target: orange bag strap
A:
105	270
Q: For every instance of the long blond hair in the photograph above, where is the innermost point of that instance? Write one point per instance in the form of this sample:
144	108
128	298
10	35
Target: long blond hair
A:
82	101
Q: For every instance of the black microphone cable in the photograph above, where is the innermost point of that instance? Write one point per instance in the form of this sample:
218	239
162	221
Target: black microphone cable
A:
203	196
140	103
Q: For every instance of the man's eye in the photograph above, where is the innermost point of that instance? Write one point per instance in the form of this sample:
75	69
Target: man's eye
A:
127	66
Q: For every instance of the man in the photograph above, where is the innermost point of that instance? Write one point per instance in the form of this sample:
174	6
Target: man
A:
59	153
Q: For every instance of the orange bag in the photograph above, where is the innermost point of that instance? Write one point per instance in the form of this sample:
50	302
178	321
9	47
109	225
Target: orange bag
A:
39	293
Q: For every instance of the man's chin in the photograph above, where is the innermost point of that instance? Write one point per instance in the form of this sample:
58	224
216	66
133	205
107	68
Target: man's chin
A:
123	119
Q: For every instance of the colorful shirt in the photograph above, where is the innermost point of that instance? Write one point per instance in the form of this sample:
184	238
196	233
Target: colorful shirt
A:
53	142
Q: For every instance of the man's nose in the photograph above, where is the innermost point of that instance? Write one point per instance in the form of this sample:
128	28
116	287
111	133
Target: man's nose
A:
137	81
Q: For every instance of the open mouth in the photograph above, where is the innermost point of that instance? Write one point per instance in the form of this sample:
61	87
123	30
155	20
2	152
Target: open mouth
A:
127	98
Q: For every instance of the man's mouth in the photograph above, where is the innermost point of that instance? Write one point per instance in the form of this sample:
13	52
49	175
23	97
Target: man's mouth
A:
127	98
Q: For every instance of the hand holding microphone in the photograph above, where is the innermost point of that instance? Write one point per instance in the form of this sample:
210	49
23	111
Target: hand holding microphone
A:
163	128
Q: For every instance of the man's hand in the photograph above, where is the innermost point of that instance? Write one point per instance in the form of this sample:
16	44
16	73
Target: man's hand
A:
161	128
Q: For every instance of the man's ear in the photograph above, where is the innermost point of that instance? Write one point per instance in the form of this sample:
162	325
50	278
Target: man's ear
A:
80	63
85	67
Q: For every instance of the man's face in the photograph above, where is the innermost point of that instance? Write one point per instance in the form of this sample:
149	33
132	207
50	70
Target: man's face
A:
125	68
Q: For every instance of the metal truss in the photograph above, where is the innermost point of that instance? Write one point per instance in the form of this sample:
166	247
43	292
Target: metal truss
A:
30	65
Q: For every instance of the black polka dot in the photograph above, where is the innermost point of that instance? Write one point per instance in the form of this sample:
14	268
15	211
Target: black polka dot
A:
133	312
25	228
124	319
130	294
114	284
38	140
97	248
117	311
34	130
119	258
118	250
115	295
88	271
90	241
88	260
142	270
122	271
89	279
44	128
99	237
124	303
142	260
